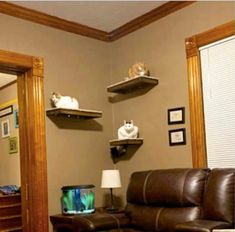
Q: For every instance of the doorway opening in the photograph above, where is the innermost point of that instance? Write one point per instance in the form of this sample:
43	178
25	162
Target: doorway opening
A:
29	71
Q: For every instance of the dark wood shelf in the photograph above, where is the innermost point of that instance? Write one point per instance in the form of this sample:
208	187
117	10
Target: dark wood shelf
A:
133	83
68	113
122	142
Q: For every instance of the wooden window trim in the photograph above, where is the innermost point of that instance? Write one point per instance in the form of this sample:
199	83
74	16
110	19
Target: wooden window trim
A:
33	169
192	45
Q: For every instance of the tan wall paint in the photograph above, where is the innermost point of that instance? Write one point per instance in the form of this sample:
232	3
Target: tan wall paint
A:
82	67
77	151
161	46
9	163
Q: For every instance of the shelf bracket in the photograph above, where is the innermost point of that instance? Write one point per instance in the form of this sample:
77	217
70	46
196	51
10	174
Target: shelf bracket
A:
118	151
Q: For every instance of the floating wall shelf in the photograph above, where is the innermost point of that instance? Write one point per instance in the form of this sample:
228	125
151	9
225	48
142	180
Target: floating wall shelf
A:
133	83
68	113
119	146
122	142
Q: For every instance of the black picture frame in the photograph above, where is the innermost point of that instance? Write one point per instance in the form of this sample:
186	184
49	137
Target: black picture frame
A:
176	115
177	137
6	111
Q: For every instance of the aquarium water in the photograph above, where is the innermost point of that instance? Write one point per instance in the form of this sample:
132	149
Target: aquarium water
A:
78	199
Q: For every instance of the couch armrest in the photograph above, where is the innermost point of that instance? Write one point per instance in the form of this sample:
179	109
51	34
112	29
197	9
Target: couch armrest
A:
100	221
202	226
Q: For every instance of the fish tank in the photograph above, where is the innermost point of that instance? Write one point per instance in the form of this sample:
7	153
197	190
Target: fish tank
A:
79	199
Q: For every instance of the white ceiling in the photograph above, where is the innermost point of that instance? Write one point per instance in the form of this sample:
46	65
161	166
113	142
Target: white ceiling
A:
6	78
103	15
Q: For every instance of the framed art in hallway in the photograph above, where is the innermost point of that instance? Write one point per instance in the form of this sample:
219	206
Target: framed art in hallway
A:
13	145
6	111
5	126
16	118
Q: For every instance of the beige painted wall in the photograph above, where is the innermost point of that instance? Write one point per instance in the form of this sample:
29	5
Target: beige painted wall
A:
9	163
77	151
161	46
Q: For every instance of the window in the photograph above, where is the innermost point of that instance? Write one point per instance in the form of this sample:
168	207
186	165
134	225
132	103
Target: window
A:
218	81
192	45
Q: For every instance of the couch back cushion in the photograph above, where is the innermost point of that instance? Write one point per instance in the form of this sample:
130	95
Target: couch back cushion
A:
167	187
148	218
219	203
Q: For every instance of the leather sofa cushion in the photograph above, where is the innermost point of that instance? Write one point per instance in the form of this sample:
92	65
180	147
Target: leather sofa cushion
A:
219	195
147	218
201	226
100	221
167	188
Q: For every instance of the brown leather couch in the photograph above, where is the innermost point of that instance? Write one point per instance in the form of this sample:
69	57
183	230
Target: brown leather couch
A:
171	200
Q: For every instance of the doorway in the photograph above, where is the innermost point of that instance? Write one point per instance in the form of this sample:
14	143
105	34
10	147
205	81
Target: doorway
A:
10	199
29	71
9	149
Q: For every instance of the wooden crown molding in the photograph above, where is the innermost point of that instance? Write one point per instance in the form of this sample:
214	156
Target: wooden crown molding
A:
148	18
51	21
76	28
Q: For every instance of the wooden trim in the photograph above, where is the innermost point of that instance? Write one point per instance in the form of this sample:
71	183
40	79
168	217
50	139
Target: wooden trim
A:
7	85
148	18
196	113
32	138
192	45
14	63
52	21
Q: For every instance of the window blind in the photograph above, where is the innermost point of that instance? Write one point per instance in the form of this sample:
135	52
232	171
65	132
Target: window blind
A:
218	82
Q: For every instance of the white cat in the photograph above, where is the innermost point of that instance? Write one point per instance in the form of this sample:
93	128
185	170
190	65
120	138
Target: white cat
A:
128	131
66	102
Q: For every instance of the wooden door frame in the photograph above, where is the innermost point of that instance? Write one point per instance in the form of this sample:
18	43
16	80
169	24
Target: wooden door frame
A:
192	45
33	168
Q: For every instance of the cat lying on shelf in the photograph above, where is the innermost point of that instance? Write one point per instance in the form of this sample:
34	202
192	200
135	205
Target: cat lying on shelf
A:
128	130
138	69
65	102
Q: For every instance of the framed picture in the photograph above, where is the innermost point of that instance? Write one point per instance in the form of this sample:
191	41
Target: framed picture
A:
16	119
13	145
5	128
176	115
6	111
177	137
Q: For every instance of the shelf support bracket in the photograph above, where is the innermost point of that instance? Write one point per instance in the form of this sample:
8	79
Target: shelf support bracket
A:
118	151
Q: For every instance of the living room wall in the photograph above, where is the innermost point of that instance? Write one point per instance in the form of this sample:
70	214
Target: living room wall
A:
161	46
77	151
